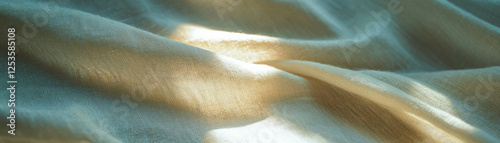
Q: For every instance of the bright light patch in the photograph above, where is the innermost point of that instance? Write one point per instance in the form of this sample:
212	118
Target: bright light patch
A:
272	129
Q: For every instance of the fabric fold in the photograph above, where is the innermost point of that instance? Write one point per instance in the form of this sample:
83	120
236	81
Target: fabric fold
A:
392	98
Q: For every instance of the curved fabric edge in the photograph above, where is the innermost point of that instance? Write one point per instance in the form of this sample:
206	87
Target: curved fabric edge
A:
385	95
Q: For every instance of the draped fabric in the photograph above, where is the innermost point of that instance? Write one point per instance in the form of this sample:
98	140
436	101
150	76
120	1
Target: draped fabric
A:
254	71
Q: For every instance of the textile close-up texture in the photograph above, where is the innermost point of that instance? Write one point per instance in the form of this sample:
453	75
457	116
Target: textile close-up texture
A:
250	71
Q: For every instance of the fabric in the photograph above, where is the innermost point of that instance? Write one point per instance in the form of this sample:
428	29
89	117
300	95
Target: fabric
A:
253	71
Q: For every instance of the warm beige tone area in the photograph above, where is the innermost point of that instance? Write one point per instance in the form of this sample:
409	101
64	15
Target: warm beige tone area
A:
258	71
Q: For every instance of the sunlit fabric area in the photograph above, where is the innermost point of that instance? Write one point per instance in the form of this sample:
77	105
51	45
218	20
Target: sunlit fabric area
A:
263	71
